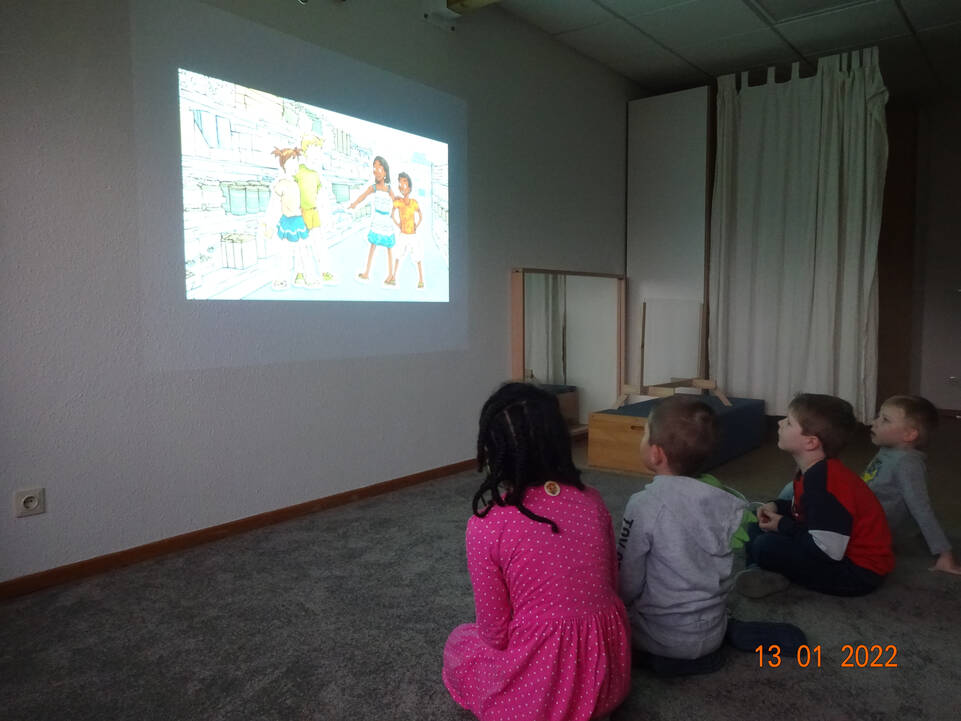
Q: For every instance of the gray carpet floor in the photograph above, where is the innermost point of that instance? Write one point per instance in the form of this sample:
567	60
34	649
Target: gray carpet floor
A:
343	614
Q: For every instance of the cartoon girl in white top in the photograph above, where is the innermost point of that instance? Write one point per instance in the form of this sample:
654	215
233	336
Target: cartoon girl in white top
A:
381	226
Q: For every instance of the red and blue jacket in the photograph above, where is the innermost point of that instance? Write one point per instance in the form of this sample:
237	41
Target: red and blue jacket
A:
838	516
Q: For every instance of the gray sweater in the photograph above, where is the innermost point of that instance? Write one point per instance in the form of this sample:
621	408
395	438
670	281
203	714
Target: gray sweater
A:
675	565
899	480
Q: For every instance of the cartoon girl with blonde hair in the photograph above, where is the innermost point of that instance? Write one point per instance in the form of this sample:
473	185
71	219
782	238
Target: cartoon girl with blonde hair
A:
315	203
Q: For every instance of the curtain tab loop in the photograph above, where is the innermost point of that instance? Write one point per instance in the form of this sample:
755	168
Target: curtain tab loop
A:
829	62
727	85
795	70
770	75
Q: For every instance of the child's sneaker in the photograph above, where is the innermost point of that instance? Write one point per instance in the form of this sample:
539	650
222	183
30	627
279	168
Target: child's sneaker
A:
328	279
748	635
420	285
755	582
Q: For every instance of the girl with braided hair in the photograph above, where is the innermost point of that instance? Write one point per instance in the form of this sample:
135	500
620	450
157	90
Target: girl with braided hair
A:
552	640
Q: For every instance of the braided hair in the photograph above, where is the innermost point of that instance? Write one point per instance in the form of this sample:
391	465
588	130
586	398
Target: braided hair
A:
522	442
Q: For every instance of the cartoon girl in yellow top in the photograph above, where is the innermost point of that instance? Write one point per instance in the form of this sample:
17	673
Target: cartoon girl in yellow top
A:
314	205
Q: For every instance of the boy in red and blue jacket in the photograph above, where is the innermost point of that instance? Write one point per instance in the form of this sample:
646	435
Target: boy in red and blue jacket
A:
832	536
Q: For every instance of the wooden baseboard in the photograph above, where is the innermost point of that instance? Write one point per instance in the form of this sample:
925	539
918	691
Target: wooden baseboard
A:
101	564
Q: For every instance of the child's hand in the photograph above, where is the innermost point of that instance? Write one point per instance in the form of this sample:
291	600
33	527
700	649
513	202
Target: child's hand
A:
770	521
765	511
947	563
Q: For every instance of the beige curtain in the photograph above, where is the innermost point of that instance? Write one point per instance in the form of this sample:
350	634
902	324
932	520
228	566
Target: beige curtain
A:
796	213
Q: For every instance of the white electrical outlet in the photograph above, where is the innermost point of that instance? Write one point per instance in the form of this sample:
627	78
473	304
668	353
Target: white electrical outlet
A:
29	502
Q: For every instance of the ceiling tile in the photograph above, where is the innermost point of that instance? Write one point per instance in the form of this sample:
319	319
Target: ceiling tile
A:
697	22
659	81
740	52
781	10
626	7
616	42
858	26
683	43
557	16
925	14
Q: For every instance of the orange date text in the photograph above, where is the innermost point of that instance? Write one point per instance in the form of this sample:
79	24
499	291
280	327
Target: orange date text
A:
852	656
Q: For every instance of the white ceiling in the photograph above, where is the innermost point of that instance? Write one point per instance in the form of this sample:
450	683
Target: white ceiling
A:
666	45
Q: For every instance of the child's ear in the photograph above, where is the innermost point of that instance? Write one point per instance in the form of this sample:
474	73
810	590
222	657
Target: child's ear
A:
657	456
812	443
911	435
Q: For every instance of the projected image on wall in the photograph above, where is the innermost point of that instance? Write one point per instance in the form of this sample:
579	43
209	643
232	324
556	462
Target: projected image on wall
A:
287	201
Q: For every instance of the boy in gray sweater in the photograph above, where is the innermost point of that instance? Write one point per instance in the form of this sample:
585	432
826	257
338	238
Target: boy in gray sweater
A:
675	551
897	474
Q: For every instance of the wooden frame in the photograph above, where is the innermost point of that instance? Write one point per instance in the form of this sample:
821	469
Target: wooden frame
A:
662	390
517	324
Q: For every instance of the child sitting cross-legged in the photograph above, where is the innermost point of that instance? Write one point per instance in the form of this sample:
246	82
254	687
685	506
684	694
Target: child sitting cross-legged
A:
551	641
897	474
676	552
832	535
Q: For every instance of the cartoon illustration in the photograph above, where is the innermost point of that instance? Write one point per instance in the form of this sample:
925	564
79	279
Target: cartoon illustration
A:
381	228
403	215
284	213
315	203
250	232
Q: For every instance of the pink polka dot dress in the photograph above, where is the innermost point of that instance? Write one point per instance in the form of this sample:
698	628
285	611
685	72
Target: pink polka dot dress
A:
552	640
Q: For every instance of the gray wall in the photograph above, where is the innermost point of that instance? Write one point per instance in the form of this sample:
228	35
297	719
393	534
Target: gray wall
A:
937	346
666	217
130	454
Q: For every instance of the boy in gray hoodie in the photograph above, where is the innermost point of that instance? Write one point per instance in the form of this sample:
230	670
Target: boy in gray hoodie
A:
675	550
897	474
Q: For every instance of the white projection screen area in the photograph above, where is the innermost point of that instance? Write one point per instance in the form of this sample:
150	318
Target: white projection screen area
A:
227	113
287	201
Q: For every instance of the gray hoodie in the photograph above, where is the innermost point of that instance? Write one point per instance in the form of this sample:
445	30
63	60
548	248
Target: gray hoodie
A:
898	478
676	563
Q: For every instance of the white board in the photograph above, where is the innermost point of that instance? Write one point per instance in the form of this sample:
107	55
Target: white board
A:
672	340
